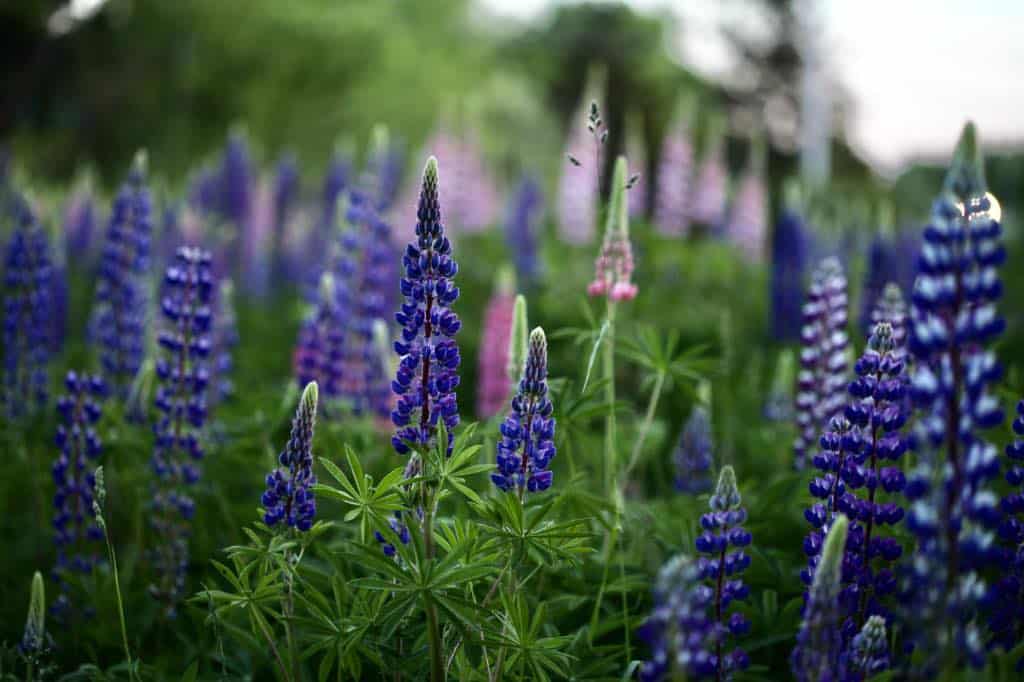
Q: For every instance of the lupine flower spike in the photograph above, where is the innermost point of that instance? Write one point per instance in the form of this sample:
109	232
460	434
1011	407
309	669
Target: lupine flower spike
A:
694	454
613	269
73	521
28	324
778	407
289	496
954	320
821	381
518	343
121	292
494	384
675	175
1006	598
851	457
525	210
747	227
710	188
528	433
183	377
790	250
722	545
816	657
320	348
580	186
427	375
34	640
679	627
223	341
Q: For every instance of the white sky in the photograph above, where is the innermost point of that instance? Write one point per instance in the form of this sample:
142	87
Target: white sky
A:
916	69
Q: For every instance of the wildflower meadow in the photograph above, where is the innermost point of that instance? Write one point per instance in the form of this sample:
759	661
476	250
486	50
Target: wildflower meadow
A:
655	411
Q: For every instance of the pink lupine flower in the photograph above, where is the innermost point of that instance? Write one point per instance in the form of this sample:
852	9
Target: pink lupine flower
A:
494	385
747	227
674	181
613	268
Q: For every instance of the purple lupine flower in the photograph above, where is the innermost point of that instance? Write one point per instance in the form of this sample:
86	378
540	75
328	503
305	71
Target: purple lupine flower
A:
525	210
285	196
223	340
494	384
851	458
427	374
675	175
236	180
183	375
119	321
637	151
289	497
821	381
383	173
75	529
892	308
817	656
694	453
953	322
80	218
868	654
790	250
320	242
528	433
882	269
28	306
613	268
679	626
1005	600
368	269
472	199
707	203
720	569
579	189
747	226
320	347
257	240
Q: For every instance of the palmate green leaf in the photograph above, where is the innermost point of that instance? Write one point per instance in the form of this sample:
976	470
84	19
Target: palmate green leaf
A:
371	557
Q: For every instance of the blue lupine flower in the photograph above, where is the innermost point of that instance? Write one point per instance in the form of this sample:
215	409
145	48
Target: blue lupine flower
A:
821	382
383	174
680	625
28	325
694	453
818	652
183	375
869	651
427	376
289	496
528	433
368	269
790	256
35	639
121	293
285	194
224	339
1006	596
235	180
74	525
954	319
521	224
851	458
319	352
720	567
882	268
892	308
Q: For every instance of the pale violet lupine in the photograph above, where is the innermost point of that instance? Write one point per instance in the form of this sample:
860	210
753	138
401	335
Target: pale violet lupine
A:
747	227
709	191
675	176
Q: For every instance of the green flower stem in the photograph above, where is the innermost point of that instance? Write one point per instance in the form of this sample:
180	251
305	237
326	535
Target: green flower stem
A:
652	407
120	601
433	628
608	361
